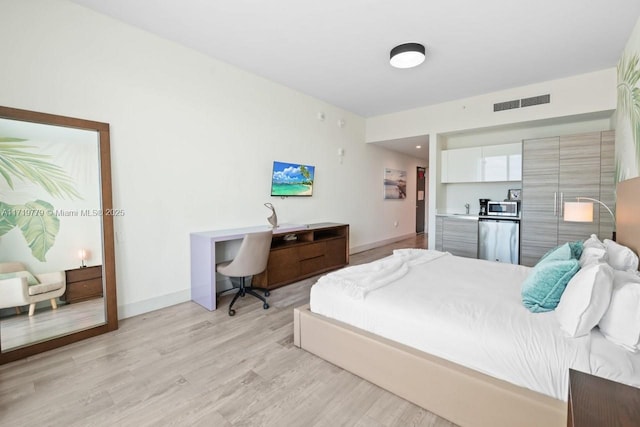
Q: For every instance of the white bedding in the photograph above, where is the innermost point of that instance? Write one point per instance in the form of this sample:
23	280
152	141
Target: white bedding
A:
469	311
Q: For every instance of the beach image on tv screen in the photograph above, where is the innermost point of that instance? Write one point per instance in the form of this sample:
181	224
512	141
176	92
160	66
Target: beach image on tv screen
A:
290	179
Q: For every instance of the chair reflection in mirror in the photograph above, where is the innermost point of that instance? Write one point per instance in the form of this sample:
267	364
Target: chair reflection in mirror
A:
19	287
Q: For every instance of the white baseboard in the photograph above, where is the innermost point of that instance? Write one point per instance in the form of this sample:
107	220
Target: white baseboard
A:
162	301
362	248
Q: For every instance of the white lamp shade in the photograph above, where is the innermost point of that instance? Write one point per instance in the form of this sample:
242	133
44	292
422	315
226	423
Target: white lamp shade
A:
578	211
83	254
407	55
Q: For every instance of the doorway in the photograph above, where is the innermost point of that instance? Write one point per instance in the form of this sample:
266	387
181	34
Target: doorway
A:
420	199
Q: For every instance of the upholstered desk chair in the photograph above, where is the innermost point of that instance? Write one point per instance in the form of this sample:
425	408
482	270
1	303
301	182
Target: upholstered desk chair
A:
16	291
251	259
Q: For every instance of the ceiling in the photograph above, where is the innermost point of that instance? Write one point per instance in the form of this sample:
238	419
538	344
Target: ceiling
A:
414	146
338	50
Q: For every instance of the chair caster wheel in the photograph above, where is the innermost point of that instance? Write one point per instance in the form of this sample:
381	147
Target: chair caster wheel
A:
267	293
265	306
232	312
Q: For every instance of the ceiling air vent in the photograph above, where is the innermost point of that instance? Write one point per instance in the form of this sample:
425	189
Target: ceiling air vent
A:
508	105
535	100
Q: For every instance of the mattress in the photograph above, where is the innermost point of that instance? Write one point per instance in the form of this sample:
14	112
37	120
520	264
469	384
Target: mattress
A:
469	311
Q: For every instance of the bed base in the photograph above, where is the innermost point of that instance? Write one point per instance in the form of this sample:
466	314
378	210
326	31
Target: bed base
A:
461	395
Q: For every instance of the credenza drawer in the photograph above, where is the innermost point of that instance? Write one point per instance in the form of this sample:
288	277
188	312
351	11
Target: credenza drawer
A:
312	265
311	251
283	265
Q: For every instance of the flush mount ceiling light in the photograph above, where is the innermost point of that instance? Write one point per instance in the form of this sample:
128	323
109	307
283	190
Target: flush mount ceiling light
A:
407	55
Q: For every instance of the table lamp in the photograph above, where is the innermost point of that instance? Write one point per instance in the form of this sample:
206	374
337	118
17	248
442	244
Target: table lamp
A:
83	254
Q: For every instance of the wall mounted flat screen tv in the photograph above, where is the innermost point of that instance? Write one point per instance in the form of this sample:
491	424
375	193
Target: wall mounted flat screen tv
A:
290	179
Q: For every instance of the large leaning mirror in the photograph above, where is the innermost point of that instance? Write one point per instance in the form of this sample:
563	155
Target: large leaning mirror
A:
57	263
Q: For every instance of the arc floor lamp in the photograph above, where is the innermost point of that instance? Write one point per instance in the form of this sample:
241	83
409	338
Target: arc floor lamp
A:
583	212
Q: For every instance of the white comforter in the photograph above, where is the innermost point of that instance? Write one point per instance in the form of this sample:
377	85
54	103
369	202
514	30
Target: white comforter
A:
467	311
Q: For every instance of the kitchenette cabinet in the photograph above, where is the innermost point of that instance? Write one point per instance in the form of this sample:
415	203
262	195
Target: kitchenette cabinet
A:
557	170
502	162
490	163
461	165
457	235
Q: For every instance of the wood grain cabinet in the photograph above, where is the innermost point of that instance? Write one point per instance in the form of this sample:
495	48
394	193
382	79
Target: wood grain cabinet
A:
598	402
304	253
458	236
83	284
439	227
557	170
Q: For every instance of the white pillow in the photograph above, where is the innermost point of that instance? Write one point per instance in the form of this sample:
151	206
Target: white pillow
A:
592	255
621	322
593	242
585	299
620	257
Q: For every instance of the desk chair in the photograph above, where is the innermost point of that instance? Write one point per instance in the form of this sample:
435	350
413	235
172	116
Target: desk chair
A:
251	259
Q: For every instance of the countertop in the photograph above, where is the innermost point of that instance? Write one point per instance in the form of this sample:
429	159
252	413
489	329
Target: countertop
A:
460	215
472	217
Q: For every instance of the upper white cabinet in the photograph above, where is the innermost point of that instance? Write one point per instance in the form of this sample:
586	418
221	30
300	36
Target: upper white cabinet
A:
462	165
490	163
502	162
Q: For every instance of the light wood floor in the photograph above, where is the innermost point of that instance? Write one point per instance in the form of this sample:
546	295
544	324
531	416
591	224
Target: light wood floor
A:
46	323
184	366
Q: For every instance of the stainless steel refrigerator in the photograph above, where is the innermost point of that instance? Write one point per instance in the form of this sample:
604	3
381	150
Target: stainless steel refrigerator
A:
499	240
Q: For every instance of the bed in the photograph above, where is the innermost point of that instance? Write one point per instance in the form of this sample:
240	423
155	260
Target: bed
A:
473	387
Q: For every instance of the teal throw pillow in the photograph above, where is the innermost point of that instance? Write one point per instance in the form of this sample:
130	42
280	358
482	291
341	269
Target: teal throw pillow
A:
570	250
30	279
576	248
542	289
559	253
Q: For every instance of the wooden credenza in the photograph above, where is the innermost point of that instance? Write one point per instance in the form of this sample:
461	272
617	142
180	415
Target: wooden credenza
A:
83	284
297	252
304	253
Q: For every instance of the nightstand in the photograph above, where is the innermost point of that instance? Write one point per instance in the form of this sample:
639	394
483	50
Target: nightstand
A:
598	402
83	284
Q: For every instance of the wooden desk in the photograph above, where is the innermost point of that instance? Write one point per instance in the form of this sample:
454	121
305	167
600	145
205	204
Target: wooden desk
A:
598	402
316	248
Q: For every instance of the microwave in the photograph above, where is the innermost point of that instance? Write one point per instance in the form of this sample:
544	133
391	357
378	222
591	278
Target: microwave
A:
507	208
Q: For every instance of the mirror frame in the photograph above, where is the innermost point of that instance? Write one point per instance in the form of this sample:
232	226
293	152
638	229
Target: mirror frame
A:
109	267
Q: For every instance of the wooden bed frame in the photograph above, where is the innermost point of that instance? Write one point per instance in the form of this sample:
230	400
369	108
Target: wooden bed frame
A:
459	394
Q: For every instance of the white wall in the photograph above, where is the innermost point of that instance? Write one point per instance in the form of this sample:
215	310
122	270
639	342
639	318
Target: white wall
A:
570	97
192	141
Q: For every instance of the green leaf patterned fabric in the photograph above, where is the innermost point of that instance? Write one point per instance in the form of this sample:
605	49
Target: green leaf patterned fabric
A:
39	230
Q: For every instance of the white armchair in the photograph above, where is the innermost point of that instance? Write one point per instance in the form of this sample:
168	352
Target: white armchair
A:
16	291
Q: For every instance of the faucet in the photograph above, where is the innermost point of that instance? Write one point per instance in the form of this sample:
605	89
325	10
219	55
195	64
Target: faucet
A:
466	205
